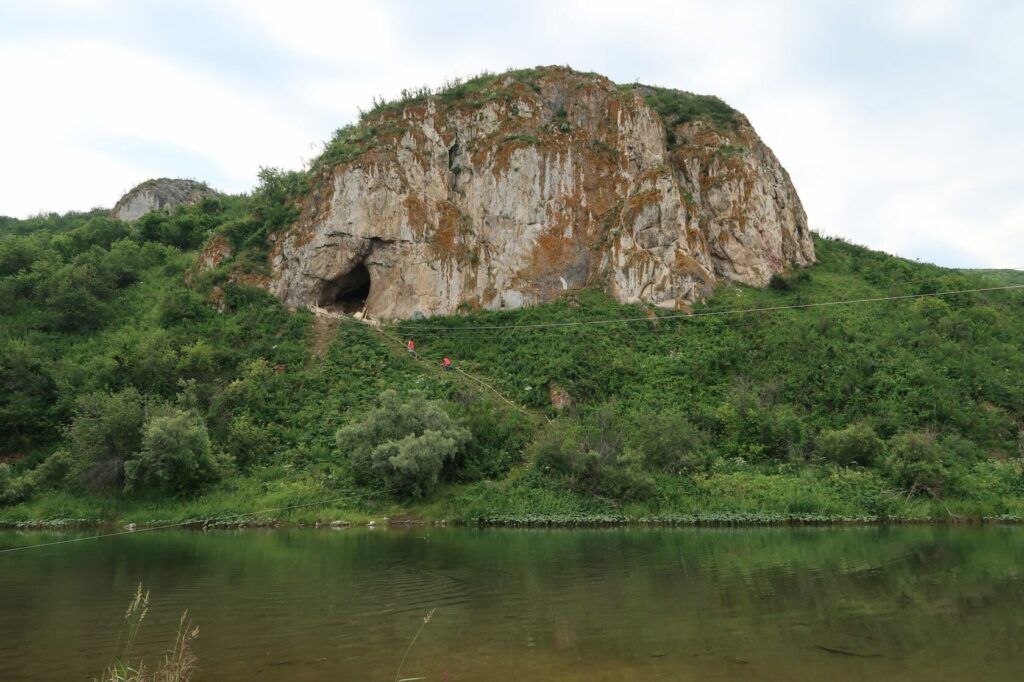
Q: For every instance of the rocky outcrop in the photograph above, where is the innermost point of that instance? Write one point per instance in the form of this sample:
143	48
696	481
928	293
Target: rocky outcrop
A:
509	191
160	194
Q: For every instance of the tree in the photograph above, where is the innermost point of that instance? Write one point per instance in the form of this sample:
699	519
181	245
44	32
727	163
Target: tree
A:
402	446
105	433
175	457
27	393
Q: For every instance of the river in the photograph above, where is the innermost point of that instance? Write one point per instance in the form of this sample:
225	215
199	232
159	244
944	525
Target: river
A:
849	603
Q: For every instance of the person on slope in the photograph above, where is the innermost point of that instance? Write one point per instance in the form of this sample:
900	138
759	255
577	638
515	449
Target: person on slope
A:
411	347
446	363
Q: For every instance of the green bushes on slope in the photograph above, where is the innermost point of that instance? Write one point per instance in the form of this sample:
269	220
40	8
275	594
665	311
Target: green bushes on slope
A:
116	374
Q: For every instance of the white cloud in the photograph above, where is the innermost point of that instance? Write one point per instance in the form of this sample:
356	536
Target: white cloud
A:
347	32
72	92
886	146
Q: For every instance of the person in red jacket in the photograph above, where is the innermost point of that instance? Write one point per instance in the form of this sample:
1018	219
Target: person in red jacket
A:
446	363
411	346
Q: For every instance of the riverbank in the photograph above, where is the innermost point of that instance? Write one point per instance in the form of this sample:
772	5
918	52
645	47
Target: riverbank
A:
738	497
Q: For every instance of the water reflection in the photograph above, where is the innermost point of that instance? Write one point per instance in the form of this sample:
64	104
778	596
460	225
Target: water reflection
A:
909	603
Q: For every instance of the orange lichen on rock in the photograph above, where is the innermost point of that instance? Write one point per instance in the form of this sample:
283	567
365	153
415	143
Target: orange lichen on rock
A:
509	190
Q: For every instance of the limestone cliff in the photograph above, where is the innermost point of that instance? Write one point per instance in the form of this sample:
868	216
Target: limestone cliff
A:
509	190
159	194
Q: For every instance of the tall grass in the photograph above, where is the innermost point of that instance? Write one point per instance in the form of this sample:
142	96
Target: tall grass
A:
398	673
179	663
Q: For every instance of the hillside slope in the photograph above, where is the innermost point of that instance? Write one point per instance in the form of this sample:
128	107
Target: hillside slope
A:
128	394
165	367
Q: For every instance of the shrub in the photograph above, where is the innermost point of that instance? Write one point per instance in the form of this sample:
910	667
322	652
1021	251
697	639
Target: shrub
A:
73	297
7	495
856	444
27	393
557	449
249	442
175	457
498	439
181	305
670	443
105	432
917	464
778	283
750	428
591	459
402	446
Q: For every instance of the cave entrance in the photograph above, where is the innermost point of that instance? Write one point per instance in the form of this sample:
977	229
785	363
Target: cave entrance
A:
348	293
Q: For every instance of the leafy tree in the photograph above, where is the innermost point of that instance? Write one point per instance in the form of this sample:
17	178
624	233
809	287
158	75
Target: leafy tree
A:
402	446
16	254
175	457
73	297
105	433
27	394
499	437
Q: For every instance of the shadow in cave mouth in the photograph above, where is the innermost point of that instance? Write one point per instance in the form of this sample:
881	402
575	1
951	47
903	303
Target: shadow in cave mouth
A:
347	294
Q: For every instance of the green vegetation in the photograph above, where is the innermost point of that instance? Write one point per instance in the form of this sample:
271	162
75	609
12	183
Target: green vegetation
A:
677	107
403	446
350	141
129	391
126	395
180	662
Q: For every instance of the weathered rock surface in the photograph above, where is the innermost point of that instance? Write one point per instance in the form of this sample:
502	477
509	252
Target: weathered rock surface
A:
160	194
531	186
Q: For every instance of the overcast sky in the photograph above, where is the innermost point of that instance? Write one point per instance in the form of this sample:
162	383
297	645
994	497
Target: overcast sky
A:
899	122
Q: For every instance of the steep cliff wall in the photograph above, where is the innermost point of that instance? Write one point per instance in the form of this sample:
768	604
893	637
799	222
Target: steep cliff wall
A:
506	192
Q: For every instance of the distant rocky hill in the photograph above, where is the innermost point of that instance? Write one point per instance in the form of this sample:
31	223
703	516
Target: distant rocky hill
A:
507	190
159	194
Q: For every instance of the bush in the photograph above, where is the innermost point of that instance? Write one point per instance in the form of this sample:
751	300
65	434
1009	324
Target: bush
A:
175	457
249	442
557	449
916	463
499	437
106	431
73	297
670	443
7	495
751	429
27	394
778	283
591	459
402	446
856	444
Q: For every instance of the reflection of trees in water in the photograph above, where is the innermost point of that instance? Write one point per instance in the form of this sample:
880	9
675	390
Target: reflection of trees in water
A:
611	594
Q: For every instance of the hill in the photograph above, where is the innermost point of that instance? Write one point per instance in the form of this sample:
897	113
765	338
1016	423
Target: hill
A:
510	189
146	375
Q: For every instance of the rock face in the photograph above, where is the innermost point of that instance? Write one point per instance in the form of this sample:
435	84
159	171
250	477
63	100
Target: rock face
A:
161	194
508	191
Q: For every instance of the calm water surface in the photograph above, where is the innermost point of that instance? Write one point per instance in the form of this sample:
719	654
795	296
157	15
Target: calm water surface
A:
905	603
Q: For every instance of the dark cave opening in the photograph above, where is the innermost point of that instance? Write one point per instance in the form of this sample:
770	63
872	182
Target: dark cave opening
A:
347	293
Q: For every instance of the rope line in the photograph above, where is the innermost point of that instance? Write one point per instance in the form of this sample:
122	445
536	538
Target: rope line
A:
539	325
710	313
464	373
